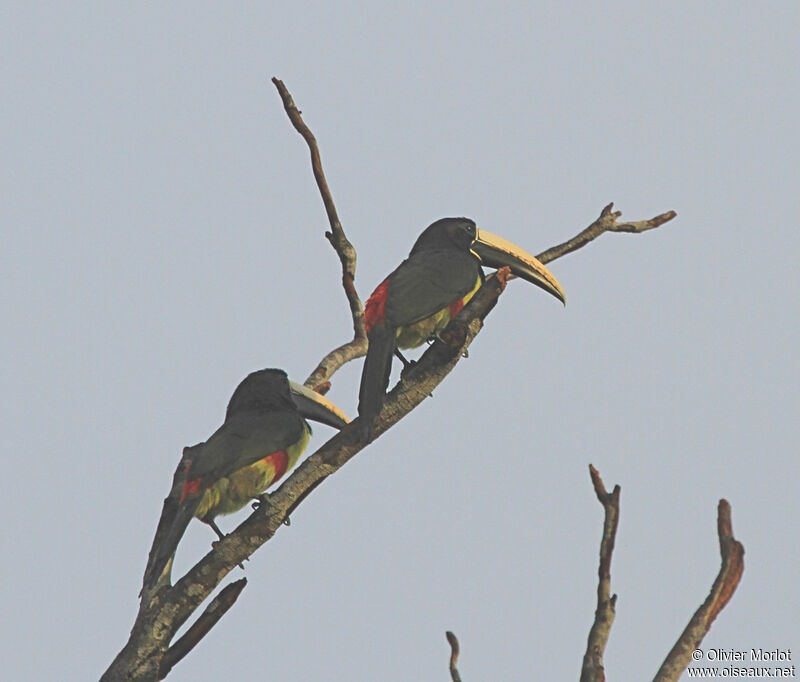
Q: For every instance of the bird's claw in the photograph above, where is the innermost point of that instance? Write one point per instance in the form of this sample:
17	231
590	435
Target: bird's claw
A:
436	336
261	502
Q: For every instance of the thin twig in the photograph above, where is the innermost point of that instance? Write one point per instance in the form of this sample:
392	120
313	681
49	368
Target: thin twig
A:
606	222
344	249
730	573
202	626
319	379
593	669
453	641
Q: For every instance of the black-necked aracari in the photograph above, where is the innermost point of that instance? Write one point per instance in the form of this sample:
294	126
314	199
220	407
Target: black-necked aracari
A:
263	436
417	301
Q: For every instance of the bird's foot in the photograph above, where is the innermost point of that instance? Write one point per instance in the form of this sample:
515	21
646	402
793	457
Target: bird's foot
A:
263	502
436	336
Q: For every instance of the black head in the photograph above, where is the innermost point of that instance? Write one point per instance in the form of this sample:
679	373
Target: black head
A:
266	389
447	233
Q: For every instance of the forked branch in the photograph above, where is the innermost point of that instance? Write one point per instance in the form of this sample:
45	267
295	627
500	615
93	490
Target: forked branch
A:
202	626
344	249
593	669
606	222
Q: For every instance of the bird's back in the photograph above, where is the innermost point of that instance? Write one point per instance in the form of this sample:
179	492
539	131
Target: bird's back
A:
243	439
428	281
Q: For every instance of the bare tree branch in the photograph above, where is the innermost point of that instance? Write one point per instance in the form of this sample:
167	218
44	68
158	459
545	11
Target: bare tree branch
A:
429	371
606	222
202	626
453	641
344	249
164	608
318	380
593	669
730	573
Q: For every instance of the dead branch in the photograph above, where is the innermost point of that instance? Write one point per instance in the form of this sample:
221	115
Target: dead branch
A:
357	347
164	608
730	573
593	669
431	369
606	222
344	249
452	640
202	626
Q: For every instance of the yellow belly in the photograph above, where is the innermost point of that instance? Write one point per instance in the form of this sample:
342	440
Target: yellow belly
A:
232	493
416	334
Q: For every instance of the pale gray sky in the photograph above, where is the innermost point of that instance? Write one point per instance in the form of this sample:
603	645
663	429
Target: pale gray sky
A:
163	237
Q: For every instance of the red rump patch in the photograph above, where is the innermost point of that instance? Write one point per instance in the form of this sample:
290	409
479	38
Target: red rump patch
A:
280	462
190	487
455	307
375	308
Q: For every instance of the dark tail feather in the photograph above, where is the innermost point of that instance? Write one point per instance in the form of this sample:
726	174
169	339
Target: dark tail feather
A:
375	376
168	535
